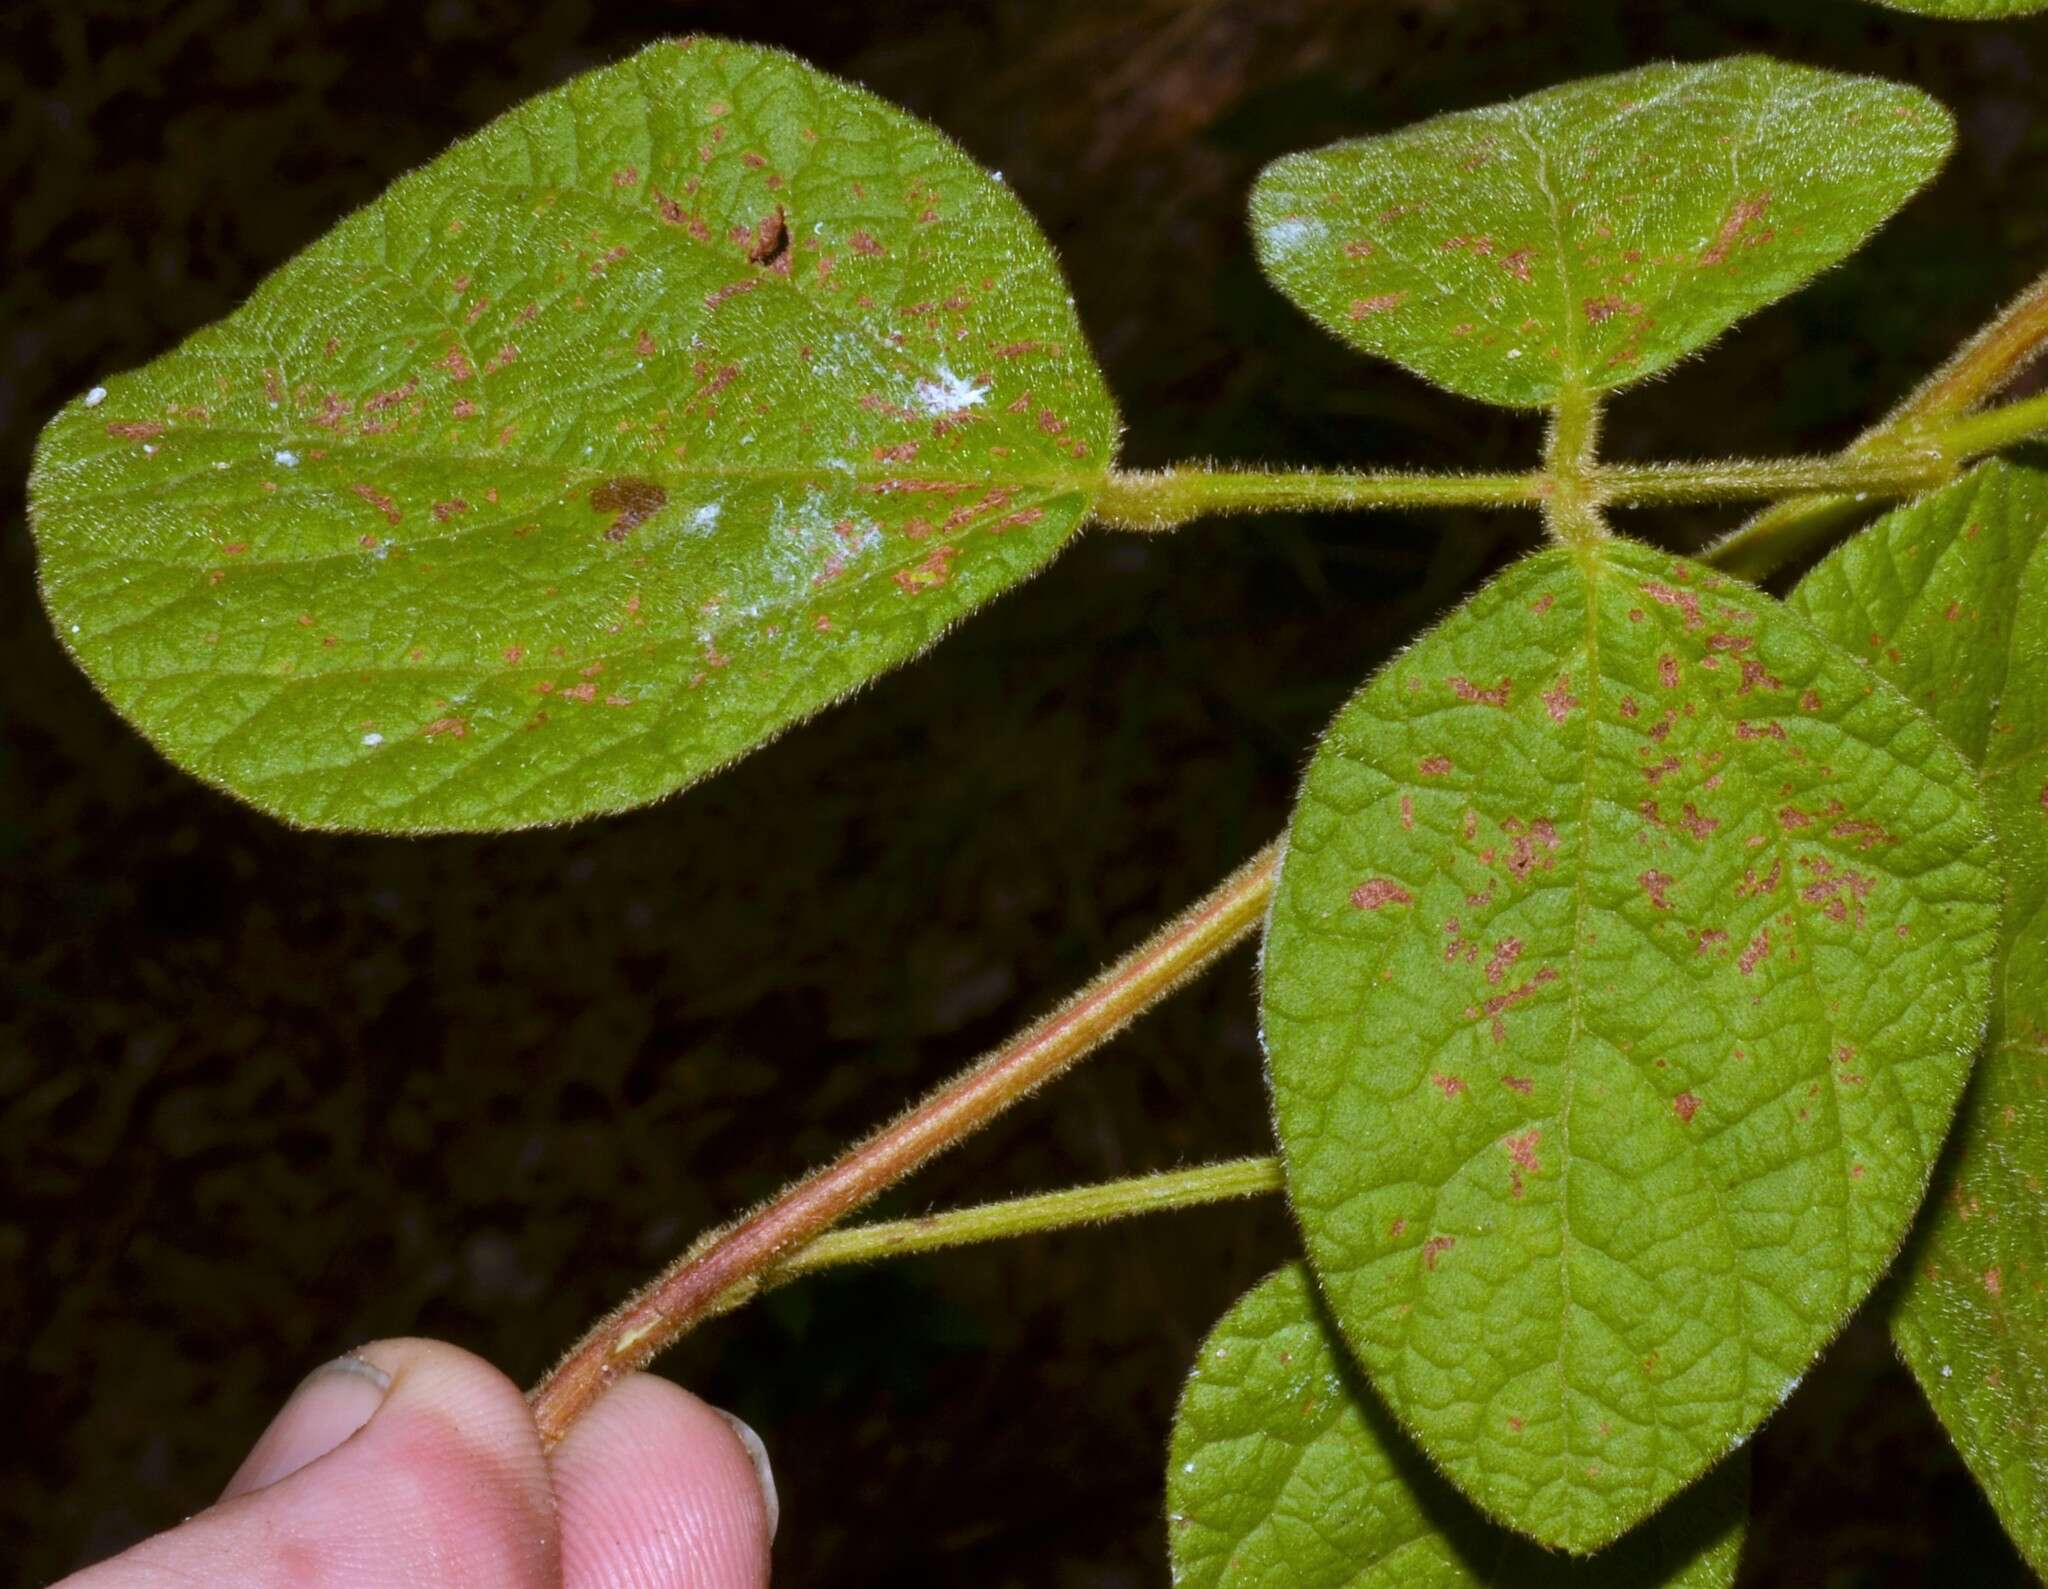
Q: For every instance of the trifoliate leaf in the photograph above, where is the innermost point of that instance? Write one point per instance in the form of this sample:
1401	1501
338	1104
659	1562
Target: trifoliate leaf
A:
1624	967
1591	235
1286	1473
1948	600
670	407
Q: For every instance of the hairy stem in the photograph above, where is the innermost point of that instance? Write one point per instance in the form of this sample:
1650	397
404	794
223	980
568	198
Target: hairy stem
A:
1571	505
1981	368
1160	499
1930	416
702	1281
1028	1216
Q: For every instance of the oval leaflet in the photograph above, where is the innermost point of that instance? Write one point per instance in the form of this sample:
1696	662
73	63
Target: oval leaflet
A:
667	409
1625	965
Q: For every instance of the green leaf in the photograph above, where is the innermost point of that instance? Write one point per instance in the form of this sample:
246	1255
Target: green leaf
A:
1285	1472
1591	235
1948	600
1624	967
673	405
1969	10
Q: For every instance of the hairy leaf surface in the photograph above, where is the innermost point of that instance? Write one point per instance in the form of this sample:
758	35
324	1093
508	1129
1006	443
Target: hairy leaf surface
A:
1948	599
1286	1473
1624	967
1593	234
670	407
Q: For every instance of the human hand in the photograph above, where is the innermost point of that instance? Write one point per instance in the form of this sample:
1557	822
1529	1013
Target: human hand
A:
413	1463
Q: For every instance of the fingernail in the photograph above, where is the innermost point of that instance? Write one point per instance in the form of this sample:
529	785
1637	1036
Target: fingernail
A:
757	1454
331	1403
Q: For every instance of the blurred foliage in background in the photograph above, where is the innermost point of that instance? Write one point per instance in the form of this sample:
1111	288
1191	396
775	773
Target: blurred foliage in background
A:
266	1094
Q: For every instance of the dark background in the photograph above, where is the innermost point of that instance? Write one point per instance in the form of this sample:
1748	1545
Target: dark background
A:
265	1094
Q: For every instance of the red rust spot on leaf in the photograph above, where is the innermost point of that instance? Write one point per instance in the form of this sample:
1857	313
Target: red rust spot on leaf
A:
1686	601
378	500
1521	1084
1434	1248
934	571
1505	954
1449	1086
1758	951
1362	308
1685	1106
1433	766
1558	700
1654	883
450	727
1732	226
1522	1151
1467	691
1496	1008
1695	824
1377	892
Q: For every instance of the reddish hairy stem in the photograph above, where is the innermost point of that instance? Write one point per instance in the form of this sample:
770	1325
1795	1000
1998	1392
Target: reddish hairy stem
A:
726	1266
1978	369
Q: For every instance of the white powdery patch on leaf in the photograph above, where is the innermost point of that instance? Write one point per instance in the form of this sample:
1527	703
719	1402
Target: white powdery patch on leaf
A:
1285	236
948	394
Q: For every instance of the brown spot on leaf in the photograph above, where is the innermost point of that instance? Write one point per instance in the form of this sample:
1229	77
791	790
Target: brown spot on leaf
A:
1505	954
1378	892
633	501
1433	766
136	429
1695	824
1558	700
1449	1086
1755	954
934	571
1467	691
1435	1248
1521	1084
771	238
448	727
1654	883
378	500
1496	1008
1363	308
1686	601
1685	1106
1732	226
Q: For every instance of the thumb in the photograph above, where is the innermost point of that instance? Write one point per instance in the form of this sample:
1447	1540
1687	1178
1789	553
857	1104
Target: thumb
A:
406	1462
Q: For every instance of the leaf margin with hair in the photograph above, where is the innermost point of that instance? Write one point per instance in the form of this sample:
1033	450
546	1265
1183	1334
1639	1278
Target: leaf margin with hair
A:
1475	291
1968	10
1284	1472
1922	594
1417	926
430	639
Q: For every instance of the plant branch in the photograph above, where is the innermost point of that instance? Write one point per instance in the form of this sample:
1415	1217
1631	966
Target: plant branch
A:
1025	1216
1930	415
1161	499
702	1281
1979	369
